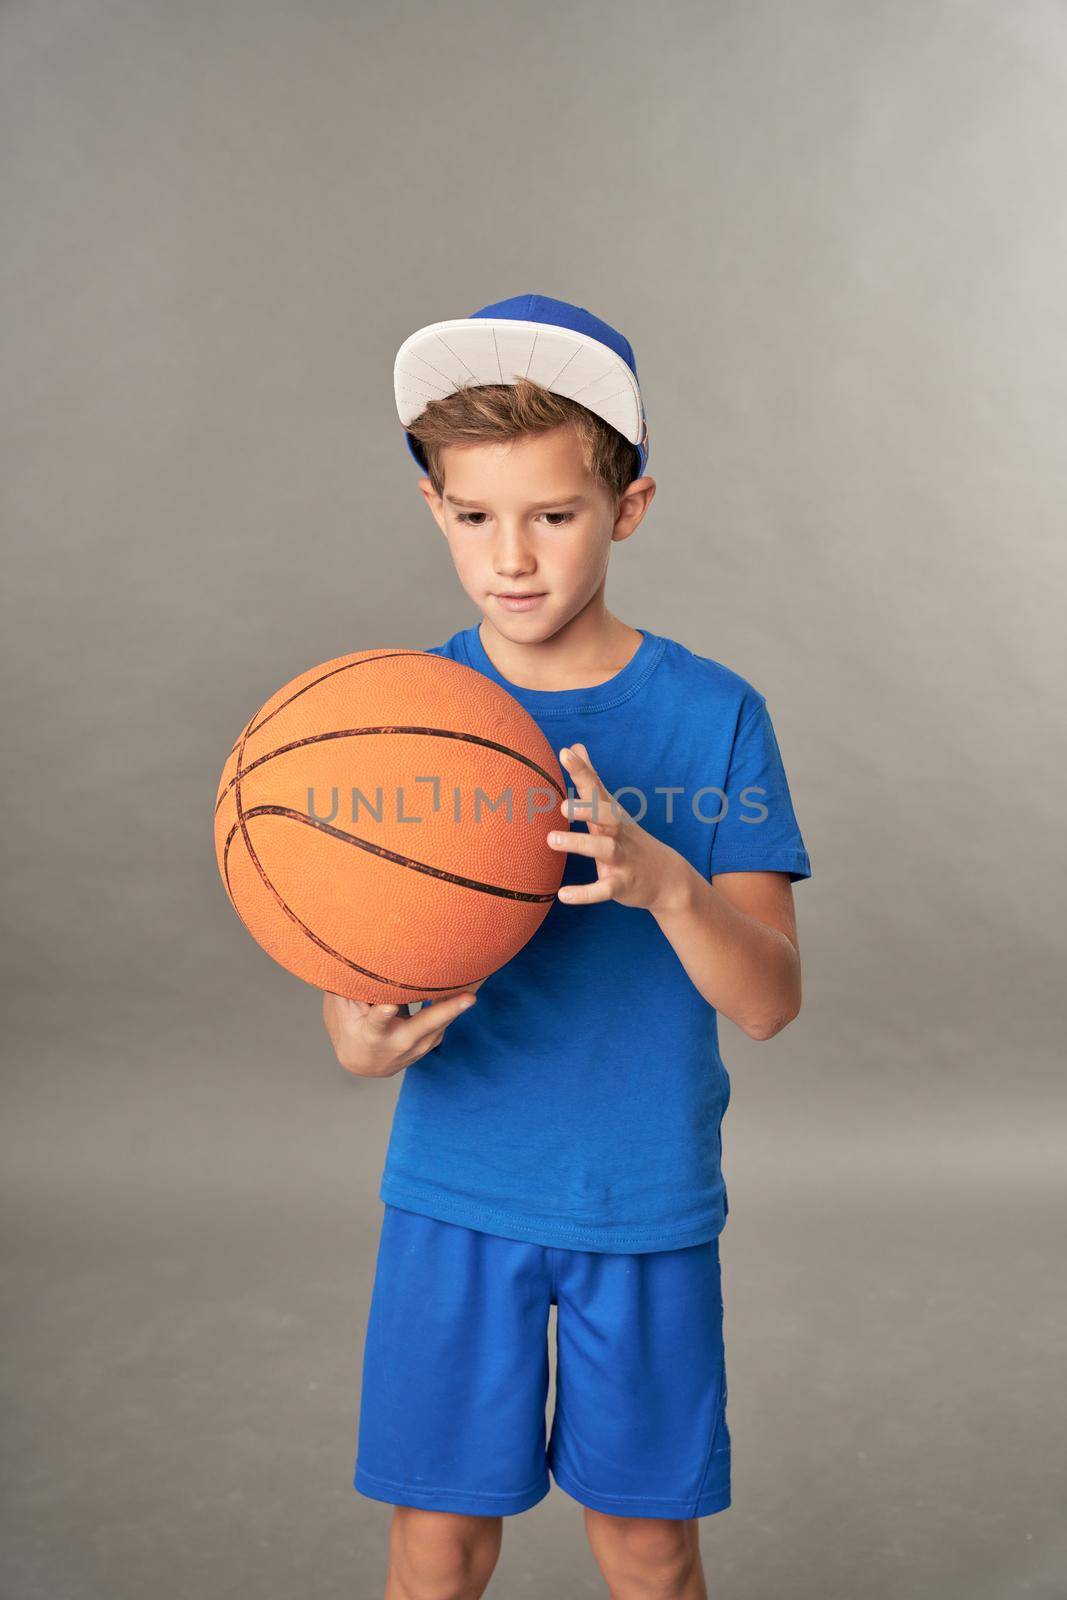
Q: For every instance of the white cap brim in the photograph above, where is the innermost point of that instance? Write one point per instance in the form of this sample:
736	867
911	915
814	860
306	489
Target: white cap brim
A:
438	359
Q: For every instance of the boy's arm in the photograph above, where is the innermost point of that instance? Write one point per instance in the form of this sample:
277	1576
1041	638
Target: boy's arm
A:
734	933
736	937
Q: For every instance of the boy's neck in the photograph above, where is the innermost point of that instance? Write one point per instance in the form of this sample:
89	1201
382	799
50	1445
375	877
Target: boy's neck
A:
589	649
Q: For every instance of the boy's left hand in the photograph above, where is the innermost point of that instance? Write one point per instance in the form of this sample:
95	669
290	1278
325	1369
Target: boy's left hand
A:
633	867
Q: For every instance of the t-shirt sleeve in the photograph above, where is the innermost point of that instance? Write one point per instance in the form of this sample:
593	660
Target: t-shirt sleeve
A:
757	830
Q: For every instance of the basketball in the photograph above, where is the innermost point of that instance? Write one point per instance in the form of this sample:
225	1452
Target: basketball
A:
381	823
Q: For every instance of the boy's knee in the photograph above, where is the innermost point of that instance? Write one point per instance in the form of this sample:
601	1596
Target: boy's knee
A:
651	1544
440	1555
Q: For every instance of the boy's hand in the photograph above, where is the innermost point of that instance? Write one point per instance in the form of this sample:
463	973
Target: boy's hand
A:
633	867
376	1042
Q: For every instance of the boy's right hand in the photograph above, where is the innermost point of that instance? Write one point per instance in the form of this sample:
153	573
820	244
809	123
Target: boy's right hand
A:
378	1041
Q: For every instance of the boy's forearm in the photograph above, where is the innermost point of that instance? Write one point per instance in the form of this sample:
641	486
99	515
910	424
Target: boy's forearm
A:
745	969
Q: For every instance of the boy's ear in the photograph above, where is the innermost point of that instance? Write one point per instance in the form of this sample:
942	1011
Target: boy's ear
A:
632	507
434	501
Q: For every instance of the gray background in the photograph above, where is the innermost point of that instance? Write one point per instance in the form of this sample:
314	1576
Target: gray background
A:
836	235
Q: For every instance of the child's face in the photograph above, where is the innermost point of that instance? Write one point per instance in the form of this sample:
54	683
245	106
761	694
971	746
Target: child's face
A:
535	522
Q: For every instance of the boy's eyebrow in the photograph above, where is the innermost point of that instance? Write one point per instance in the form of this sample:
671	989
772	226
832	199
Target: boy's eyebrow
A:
542	505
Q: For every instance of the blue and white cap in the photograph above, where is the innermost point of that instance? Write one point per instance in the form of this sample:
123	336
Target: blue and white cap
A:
563	347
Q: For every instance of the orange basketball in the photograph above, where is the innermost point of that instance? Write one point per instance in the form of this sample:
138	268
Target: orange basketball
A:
381	826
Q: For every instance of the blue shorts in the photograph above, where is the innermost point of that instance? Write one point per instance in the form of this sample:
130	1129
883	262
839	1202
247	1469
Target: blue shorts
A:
455	1375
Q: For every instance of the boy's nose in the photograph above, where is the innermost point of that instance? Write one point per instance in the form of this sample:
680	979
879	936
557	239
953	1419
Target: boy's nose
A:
511	556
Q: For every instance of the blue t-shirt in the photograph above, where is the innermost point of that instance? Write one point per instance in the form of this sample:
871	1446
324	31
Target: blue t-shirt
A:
579	1103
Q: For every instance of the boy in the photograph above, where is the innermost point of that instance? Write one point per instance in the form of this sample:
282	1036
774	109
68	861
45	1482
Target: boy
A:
559	1138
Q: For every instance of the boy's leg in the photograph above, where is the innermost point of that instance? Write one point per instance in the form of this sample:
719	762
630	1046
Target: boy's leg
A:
647	1558
640	1427
438	1555
455	1371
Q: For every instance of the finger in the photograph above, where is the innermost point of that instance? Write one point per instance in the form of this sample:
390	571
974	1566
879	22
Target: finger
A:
429	1018
381	1016
582	773
585	894
600	845
577	759
604	813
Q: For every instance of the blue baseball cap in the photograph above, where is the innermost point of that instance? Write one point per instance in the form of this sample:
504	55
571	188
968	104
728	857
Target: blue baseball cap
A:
563	347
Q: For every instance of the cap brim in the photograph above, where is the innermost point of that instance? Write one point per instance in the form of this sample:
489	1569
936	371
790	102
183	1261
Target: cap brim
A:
437	360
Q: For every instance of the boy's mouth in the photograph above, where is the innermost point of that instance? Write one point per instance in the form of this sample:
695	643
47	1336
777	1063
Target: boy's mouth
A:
519	601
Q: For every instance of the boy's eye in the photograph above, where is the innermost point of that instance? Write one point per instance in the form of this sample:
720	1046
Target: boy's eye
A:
468	517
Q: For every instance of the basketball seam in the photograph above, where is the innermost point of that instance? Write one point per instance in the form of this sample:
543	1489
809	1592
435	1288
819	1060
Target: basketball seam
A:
346	667
529	896
349	733
368	972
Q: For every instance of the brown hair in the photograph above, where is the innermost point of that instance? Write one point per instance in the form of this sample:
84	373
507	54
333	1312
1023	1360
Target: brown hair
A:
491	413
